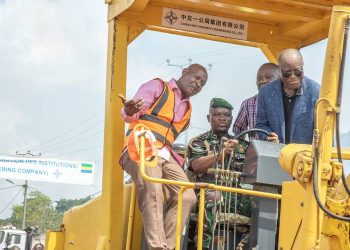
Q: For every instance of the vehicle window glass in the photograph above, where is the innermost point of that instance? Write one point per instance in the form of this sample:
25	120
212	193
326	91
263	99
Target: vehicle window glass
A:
16	239
2	236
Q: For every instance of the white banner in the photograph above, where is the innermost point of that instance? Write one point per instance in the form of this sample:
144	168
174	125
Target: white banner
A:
202	23
46	169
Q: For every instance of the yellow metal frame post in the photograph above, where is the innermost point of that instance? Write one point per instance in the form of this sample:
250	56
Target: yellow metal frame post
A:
329	92
200	218
113	176
310	230
179	218
131	217
271	54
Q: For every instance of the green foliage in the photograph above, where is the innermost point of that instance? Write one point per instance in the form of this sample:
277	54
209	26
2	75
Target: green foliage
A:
4	222
40	212
64	205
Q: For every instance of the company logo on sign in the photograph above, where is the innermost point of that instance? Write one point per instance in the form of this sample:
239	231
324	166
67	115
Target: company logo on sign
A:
171	17
206	24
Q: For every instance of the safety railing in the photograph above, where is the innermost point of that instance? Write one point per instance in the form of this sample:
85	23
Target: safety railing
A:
186	185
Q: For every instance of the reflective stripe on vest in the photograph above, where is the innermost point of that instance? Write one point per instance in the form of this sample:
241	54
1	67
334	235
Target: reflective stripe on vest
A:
162	100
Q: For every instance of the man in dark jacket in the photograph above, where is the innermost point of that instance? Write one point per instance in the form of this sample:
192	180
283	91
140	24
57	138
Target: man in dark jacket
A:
286	106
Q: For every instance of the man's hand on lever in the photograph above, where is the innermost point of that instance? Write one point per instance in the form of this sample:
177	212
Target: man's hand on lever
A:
229	146
273	137
131	107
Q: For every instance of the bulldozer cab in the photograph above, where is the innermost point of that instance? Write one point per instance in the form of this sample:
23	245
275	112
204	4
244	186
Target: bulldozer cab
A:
112	221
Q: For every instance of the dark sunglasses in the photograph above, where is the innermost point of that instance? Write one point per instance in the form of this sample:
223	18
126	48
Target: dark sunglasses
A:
289	73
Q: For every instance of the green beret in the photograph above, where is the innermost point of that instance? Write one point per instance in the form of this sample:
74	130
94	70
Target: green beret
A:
220	103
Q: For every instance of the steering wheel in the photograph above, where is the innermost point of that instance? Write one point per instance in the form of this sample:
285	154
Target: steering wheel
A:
243	143
248	131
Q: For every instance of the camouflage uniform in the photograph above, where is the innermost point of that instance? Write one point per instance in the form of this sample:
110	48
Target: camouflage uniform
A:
207	144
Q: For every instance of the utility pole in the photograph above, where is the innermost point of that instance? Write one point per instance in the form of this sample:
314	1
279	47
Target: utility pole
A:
181	66
25	191
184	65
25	186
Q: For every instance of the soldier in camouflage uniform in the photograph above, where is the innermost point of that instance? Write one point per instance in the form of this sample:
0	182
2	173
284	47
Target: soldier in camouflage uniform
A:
201	154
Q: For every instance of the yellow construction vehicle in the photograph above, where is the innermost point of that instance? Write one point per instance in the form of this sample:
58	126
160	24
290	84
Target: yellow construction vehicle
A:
315	206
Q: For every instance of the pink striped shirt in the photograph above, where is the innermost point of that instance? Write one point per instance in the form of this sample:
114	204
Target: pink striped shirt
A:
246	117
150	92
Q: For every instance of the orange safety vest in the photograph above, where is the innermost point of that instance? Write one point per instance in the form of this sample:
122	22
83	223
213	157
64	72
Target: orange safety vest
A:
159	118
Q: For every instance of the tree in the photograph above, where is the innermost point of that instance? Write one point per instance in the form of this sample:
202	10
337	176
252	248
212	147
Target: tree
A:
40	212
64	205
4	222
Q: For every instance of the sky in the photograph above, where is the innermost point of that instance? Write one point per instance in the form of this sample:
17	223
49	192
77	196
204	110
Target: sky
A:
53	73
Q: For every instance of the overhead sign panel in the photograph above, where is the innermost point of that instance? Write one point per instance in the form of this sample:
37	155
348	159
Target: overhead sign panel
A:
202	23
46	169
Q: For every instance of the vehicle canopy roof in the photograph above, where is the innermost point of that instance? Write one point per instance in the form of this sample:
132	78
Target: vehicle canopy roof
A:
272	24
